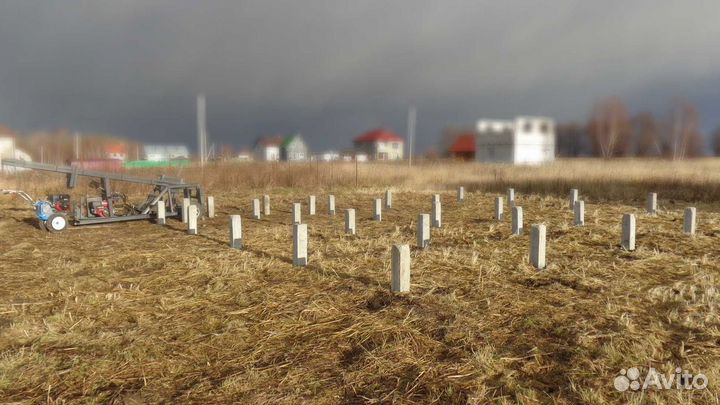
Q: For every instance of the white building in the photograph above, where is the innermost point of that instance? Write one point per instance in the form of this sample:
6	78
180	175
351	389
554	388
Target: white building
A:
244	156
8	150
267	149
294	149
157	153
524	140
329	156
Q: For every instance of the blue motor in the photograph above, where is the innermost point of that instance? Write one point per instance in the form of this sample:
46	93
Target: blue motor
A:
51	214
43	210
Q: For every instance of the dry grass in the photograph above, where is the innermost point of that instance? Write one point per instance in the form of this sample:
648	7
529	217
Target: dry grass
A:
137	312
610	180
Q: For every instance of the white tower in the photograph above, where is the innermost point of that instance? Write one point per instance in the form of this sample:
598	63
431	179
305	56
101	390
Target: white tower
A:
201	129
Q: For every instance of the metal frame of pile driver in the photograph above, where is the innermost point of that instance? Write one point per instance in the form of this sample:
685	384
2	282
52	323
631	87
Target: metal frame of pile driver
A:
165	188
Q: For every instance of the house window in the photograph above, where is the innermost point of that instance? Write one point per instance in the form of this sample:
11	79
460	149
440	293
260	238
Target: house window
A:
396	145
544	128
527	127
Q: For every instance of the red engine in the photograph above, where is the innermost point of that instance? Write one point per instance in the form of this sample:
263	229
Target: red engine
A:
102	210
60	202
98	207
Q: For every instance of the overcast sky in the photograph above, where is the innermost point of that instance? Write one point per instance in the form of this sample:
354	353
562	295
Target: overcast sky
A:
332	69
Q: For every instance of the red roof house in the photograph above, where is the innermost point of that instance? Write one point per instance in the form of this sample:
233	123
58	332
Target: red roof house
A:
267	148
269	141
378	134
380	144
463	147
116	151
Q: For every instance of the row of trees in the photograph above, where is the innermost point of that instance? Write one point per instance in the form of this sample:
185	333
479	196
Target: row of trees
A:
612	131
59	147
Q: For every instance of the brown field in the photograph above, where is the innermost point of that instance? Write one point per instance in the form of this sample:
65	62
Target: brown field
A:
602	180
137	312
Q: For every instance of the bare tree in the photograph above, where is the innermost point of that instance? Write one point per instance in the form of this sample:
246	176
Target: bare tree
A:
226	152
570	140
609	128
58	146
646	138
716	141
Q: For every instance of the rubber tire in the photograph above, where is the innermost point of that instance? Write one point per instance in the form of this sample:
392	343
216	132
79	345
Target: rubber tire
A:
41	224
60	226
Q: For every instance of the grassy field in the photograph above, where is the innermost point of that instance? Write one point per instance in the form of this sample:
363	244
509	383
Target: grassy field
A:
603	180
137	312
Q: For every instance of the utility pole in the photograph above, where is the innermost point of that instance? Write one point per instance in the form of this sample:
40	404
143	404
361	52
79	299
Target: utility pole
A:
77	146
412	116
201	129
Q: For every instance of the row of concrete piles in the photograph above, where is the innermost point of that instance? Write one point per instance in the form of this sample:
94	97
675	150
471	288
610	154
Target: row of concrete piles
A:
538	235
189	213
629	225
401	253
629	221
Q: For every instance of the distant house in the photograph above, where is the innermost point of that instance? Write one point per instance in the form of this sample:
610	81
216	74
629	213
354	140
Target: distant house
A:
347	155
8	150
379	144
157	153
329	156
244	155
267	149
294	149
116	152
463	147
524	140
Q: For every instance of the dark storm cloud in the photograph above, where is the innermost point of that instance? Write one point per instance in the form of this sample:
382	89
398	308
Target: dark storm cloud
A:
331	69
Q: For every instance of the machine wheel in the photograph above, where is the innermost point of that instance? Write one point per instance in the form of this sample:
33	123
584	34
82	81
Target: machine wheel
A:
41	224
56	223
